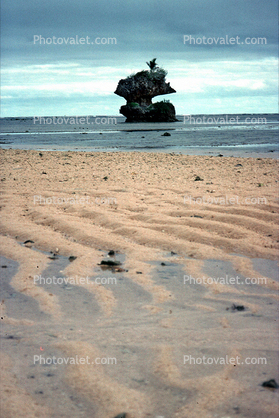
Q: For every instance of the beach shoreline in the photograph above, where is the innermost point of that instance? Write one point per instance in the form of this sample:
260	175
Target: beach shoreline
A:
256	139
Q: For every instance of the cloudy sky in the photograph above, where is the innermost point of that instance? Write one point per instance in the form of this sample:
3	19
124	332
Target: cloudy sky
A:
46	72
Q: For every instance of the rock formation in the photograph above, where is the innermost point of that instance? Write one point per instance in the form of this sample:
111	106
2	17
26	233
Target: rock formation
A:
139	89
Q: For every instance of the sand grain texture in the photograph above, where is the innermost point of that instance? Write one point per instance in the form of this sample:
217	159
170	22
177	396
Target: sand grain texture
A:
149	209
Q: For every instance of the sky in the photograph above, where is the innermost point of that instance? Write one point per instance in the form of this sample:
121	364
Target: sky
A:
65	57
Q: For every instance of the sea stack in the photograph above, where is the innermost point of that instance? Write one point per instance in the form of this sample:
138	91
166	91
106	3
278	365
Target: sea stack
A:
139	89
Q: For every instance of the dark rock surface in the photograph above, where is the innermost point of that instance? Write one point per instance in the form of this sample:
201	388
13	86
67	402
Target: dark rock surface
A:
157	112
270	384
110	263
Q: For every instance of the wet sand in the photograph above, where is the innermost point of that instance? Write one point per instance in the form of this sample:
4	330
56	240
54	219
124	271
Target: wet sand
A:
173	221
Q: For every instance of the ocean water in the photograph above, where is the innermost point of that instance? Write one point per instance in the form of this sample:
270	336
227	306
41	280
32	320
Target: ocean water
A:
229	135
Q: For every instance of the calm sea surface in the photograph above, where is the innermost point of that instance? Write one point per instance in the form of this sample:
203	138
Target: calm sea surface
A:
229	135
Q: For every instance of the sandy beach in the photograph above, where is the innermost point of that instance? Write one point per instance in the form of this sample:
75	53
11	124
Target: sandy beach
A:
173	341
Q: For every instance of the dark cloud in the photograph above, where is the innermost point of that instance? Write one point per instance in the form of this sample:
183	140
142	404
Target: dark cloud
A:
143	29
143	25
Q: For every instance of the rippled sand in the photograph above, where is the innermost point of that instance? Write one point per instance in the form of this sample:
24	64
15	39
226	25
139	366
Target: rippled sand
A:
151	209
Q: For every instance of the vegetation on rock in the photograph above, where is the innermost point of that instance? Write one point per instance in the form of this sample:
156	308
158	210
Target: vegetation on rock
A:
139	89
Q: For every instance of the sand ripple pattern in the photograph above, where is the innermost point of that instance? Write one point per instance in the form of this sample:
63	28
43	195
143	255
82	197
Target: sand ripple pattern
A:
162	223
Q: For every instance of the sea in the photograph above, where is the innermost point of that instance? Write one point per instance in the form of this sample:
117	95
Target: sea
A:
238	135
